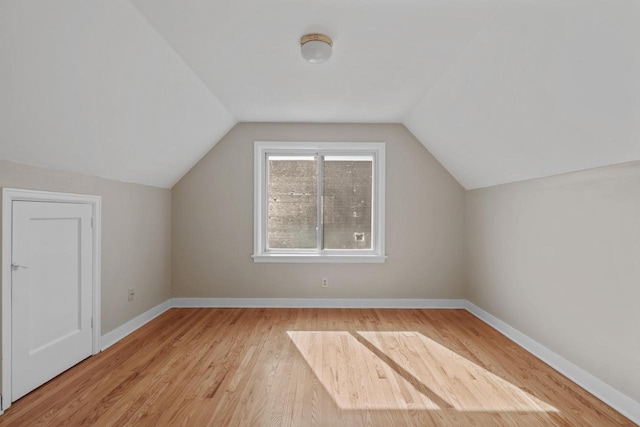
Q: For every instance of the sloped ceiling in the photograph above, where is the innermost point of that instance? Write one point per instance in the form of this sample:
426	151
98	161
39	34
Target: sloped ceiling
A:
90	87
497	90
546	87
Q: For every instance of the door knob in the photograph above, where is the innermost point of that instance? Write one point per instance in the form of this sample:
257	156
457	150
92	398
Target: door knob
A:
15	267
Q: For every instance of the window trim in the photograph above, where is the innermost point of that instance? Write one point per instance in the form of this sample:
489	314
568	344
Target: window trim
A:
375	255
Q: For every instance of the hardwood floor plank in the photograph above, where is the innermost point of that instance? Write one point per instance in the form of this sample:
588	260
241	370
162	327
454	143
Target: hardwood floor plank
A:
312	367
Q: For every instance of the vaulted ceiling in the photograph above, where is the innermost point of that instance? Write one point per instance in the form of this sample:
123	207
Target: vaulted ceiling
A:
497	90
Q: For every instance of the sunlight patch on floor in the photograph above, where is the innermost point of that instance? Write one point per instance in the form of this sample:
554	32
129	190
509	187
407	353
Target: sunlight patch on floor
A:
405	370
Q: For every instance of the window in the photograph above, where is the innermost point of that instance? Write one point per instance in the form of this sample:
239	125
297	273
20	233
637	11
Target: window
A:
319	202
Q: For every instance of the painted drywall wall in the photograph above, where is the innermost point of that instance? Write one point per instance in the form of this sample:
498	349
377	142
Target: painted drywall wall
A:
559	259
136	236
213	224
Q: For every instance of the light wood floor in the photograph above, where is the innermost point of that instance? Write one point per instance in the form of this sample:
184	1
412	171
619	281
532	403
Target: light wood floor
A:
304	367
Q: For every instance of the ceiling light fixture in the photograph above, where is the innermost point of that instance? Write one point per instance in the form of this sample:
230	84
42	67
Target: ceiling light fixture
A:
316	48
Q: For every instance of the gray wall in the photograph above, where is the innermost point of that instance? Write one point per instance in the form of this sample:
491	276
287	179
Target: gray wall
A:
559	259
136	236
213	224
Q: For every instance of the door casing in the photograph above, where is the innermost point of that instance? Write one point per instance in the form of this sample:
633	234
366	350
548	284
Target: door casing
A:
9	195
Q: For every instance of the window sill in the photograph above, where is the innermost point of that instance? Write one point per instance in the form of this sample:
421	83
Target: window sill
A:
316	258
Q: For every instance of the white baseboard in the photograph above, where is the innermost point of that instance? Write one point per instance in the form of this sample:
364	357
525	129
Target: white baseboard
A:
603	391
317	303
120	332
617	400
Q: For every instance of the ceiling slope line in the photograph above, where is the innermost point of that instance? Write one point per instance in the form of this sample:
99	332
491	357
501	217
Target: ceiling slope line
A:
186	64
202	156
459	55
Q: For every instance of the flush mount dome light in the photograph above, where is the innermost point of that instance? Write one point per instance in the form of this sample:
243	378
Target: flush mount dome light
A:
316	48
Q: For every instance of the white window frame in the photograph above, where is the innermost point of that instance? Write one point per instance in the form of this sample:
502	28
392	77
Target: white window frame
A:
374	255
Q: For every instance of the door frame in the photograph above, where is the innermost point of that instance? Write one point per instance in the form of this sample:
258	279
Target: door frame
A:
9	195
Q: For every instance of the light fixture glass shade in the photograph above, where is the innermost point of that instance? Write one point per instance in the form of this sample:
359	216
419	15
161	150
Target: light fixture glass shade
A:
316	48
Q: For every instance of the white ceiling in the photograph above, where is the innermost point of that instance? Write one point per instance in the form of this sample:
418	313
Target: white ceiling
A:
386	53
497	90
547	87
90	87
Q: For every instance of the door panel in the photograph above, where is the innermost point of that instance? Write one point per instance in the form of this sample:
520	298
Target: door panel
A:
51	291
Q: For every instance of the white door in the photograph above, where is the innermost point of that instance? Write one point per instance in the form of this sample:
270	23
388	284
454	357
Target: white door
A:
51	263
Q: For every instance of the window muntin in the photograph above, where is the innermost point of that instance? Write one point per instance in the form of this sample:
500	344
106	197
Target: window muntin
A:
319	202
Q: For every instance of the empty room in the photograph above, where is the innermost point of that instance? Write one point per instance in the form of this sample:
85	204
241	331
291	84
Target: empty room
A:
320	213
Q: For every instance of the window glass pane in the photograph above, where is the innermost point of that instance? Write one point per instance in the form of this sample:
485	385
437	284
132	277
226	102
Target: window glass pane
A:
292	205
347	182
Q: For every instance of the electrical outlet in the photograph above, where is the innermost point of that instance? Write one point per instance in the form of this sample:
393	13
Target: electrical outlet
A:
131	294
325	282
